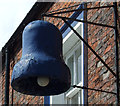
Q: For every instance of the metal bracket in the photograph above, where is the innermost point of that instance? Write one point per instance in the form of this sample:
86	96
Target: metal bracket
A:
83	87
51	14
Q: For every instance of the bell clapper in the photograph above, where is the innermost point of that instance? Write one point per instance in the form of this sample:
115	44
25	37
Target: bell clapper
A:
43	81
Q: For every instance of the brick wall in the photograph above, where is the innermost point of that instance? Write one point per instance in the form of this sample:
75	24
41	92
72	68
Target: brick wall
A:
101	39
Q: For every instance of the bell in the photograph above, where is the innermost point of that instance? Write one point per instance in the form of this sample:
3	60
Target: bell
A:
41	70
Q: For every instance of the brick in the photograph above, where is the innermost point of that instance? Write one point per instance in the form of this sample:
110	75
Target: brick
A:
108	60
92	85
107	49
99	64
106	75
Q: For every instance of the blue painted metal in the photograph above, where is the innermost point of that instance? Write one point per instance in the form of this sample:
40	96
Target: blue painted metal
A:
41	57
46	100
78	15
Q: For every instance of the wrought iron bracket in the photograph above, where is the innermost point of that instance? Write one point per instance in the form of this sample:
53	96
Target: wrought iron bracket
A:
64	19
73	19
83	9
51	14
90	48
99	90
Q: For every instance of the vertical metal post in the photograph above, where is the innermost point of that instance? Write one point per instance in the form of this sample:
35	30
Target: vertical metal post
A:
47	100
7	65
116	50
85	57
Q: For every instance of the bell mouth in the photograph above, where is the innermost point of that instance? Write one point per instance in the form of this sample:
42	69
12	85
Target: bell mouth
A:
30	86
24	77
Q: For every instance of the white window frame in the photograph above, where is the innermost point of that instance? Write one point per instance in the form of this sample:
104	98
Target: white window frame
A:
71	52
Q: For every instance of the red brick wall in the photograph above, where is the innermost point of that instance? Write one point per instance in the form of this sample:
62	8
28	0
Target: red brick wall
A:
101	39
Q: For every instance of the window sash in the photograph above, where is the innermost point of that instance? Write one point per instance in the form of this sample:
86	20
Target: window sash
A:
78	98
78	70
74	66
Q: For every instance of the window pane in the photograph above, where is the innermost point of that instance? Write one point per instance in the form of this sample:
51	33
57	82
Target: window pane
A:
74	99
78	64
71	67
68	100
79	29
80	97
79	73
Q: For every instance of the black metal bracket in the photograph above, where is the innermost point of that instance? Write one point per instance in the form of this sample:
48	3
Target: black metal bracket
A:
99	90
90	47
51	14
64	19
73	19
83	9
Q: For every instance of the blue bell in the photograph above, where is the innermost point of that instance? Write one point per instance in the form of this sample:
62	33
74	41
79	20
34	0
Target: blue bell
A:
41	70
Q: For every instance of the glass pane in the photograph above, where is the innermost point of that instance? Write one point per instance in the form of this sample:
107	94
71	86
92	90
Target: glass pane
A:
78	65
79	73
80	97
74	99
79	30
68	100
70	64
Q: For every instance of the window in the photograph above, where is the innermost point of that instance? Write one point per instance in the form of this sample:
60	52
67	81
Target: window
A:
76	99
73	61
73	57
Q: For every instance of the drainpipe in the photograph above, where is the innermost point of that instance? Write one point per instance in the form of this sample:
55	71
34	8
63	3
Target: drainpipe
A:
7	65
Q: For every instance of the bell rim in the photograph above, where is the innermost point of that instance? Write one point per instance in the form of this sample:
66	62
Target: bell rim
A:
66	80
54	92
